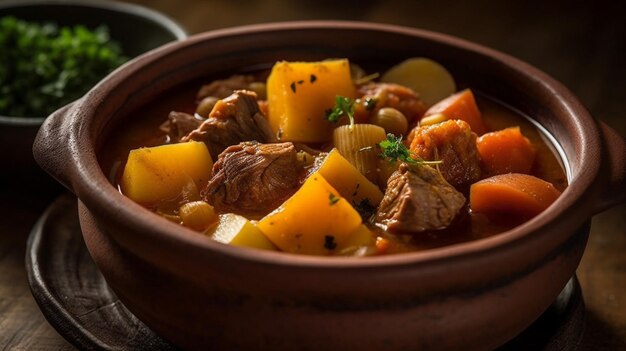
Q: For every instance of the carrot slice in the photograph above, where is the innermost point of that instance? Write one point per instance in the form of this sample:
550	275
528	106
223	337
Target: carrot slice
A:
461	105
506	151
515	194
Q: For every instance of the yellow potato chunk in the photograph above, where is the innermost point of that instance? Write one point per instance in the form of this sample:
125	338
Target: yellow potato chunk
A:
197	215
433	119
348	181
314	221
426	77
362	236
154	174
236	230
299	93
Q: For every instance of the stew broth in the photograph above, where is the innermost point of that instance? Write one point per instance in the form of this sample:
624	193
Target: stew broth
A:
141	129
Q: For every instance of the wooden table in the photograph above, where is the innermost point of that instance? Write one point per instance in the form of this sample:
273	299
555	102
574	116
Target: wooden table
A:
582	46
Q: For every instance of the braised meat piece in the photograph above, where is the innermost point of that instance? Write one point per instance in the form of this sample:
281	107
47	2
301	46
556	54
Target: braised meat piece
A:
418	199
234	119
252	179
454	143
179	124
225	87
397	96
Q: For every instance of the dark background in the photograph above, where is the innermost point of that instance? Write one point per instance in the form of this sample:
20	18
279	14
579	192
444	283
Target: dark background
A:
580	44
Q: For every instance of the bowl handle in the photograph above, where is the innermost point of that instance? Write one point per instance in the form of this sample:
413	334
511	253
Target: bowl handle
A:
51	147
613	172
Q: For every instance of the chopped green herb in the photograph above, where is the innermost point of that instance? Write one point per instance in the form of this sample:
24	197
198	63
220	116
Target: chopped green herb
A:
300	82
313	78
329	242
332	199
45	66
343	107
293	86
393	149
370	104
356	190
364	208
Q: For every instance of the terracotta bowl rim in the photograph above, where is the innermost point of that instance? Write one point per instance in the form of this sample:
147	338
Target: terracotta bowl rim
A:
93	188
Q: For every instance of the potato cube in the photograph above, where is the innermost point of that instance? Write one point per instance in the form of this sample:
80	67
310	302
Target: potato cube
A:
348	181
299	93
362	236
236	230
154	174
426	77
314	221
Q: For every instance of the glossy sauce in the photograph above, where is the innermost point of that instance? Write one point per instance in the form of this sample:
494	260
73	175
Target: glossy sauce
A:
471	226
143	130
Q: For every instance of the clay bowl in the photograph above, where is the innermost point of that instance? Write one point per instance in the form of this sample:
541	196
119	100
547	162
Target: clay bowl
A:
136	28
198	293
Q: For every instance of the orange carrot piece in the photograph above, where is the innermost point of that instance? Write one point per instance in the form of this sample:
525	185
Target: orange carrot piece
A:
461	105
506	151
519	195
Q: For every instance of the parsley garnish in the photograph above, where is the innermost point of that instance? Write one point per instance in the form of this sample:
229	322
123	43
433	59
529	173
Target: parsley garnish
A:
332	199
370	104
356	189
364	208
343	107
394	150
44	66
329	242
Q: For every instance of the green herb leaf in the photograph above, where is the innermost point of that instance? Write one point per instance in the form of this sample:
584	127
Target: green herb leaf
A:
394	149
364	208
332	199
44	66
370	104
343	107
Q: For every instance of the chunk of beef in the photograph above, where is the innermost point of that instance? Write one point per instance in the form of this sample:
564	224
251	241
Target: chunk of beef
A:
252	179
454	143
234	119
418	199
397	96
225	87
179	124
